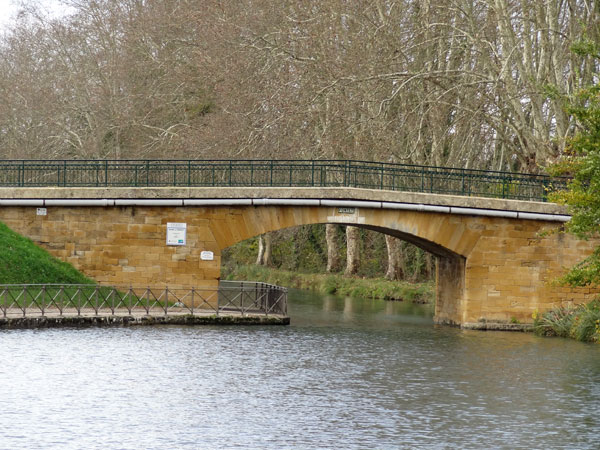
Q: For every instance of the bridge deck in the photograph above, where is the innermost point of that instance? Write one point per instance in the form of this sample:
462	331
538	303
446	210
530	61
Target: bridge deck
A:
33	318
260	196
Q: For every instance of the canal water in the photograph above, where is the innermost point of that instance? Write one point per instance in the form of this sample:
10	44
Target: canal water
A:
347	374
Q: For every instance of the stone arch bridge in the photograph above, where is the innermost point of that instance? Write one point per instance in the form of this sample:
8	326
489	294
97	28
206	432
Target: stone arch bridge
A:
496	257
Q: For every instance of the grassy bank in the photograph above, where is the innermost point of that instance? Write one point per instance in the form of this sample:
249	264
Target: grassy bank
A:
580	322
23	262
335	284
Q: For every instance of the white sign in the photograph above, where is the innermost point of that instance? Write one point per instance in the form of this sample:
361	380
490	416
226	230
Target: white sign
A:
207	256
176	233
42	211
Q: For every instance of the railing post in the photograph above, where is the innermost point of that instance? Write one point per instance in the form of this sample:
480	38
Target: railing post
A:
43	300
61	293
192	310
189	183
129	294
346	173
271	178
312	173
147	173
24	299
105	172
218	299
230	172
166	300
112	301
242	297
79	301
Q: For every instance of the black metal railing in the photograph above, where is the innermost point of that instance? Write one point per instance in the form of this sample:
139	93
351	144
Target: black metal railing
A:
278	173
237	298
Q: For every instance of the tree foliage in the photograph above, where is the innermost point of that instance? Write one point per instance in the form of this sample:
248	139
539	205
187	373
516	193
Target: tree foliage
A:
582	162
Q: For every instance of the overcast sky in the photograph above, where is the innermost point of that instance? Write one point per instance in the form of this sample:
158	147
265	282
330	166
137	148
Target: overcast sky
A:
8	9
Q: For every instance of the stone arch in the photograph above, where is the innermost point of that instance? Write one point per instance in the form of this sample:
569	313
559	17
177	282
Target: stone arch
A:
447	237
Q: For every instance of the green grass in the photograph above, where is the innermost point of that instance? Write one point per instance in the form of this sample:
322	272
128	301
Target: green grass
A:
23	262
378	288
581	322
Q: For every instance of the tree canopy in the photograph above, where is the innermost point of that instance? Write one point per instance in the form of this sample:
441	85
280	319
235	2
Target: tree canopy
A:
457	83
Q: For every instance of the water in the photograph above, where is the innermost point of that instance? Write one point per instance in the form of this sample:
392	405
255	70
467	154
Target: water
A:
346	374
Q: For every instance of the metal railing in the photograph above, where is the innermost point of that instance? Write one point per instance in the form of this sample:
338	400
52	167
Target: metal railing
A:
278	173
231	298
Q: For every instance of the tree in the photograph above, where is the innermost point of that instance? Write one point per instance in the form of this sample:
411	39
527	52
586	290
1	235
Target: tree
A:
396	269
265	252
114	79
582	161
333	254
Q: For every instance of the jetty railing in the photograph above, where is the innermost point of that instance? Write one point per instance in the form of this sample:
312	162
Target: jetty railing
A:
278	173
231	298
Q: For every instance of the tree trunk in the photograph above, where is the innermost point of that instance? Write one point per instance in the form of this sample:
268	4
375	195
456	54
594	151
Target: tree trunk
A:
333	254
261	251
429	266
352	249
394	271
417	266
267	257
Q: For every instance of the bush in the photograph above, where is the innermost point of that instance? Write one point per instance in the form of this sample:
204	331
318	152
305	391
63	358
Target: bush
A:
580	322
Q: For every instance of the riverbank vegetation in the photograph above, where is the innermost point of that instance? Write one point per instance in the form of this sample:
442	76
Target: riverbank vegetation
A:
23	262
580	322
377	288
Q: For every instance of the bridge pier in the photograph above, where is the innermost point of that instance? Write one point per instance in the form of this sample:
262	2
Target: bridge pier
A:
450	290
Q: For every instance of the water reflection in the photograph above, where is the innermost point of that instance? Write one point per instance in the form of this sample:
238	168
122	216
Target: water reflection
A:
313	309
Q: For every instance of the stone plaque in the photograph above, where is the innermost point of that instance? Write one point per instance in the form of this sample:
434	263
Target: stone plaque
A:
207	256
